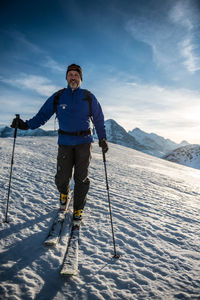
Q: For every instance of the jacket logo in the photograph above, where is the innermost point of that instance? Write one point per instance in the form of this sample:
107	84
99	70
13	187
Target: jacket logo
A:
64	106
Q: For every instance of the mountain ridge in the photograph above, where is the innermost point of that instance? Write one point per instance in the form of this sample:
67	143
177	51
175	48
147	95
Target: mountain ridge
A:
136	139
149	143
188	155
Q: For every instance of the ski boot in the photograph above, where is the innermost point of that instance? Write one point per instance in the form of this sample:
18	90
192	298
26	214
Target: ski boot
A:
63	201
77	216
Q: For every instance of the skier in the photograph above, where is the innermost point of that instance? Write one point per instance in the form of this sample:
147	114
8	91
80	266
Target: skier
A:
74	108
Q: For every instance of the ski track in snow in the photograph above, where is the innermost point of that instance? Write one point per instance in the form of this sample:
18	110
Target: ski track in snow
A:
156	217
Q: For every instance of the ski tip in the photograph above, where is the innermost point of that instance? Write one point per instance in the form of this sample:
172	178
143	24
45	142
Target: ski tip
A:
50	244
68	273
51	241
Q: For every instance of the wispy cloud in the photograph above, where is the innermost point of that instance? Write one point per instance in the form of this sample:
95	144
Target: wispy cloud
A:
192	60
172	37
22	42
182	13
38	84
19	102
50	63
24	48
185	15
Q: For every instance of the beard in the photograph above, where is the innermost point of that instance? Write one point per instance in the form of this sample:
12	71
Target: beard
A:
74	84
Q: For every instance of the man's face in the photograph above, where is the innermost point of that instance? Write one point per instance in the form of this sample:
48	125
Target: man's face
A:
73	79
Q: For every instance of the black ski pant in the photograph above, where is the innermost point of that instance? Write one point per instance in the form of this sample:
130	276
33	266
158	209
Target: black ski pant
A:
78	158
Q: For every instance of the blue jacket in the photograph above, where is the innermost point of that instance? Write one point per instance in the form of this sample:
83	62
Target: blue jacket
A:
73	115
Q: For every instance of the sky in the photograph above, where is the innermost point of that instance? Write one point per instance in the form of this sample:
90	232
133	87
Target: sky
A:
141	59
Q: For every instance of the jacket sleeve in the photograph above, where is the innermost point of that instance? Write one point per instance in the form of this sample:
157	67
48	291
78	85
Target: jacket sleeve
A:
44	114
98	118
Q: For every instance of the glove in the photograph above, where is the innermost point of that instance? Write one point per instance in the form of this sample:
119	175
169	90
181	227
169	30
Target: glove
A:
20	124
104	145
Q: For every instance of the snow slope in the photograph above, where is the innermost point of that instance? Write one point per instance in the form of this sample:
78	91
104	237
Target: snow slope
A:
156	215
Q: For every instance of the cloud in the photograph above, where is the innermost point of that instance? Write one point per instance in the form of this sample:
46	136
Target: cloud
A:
192	60
18	103
23	43
38	84
170	112
50	63
173	38
185	14
23	49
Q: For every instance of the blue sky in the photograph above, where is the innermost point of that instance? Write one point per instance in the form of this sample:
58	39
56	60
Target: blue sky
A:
140	58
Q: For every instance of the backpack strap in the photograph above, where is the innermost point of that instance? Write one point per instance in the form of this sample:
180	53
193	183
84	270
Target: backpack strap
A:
56	101
88	97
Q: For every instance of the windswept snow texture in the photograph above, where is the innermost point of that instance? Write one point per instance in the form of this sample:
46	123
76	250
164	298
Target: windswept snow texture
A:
156	217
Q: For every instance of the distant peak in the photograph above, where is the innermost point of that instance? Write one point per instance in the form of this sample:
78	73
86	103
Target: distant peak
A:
137	129
111	121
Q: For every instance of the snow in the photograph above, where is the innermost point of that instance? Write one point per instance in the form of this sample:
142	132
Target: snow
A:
158	145
156	218
137	139
188	155
117	134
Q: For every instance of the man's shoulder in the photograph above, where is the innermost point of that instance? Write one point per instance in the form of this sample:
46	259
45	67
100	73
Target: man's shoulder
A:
86	92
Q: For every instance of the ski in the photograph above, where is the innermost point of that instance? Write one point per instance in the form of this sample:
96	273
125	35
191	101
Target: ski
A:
55	231
70	262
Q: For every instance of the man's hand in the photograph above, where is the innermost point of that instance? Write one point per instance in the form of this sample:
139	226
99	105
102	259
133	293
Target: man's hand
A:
104	145
19	123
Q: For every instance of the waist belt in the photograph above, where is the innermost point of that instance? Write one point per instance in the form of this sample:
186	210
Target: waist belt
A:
76	133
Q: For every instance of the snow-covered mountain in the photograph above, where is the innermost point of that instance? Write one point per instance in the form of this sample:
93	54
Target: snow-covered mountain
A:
156	144
150	143
117	134
187	155
156	219
136	139
6	131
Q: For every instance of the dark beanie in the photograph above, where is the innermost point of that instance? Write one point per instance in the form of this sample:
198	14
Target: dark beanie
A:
76	68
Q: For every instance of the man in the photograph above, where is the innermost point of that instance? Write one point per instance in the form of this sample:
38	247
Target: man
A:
74	108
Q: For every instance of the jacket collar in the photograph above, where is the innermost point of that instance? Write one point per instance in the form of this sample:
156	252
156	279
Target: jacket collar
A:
73	90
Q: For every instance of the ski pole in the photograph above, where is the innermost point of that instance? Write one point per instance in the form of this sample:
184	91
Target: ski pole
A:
110	210
11	167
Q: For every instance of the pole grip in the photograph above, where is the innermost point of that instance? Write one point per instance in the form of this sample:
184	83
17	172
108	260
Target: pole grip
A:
16	126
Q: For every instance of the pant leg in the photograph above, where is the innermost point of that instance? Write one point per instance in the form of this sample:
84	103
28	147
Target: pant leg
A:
65	163
82	182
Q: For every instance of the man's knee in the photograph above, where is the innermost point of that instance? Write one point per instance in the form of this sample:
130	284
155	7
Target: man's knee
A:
84	182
